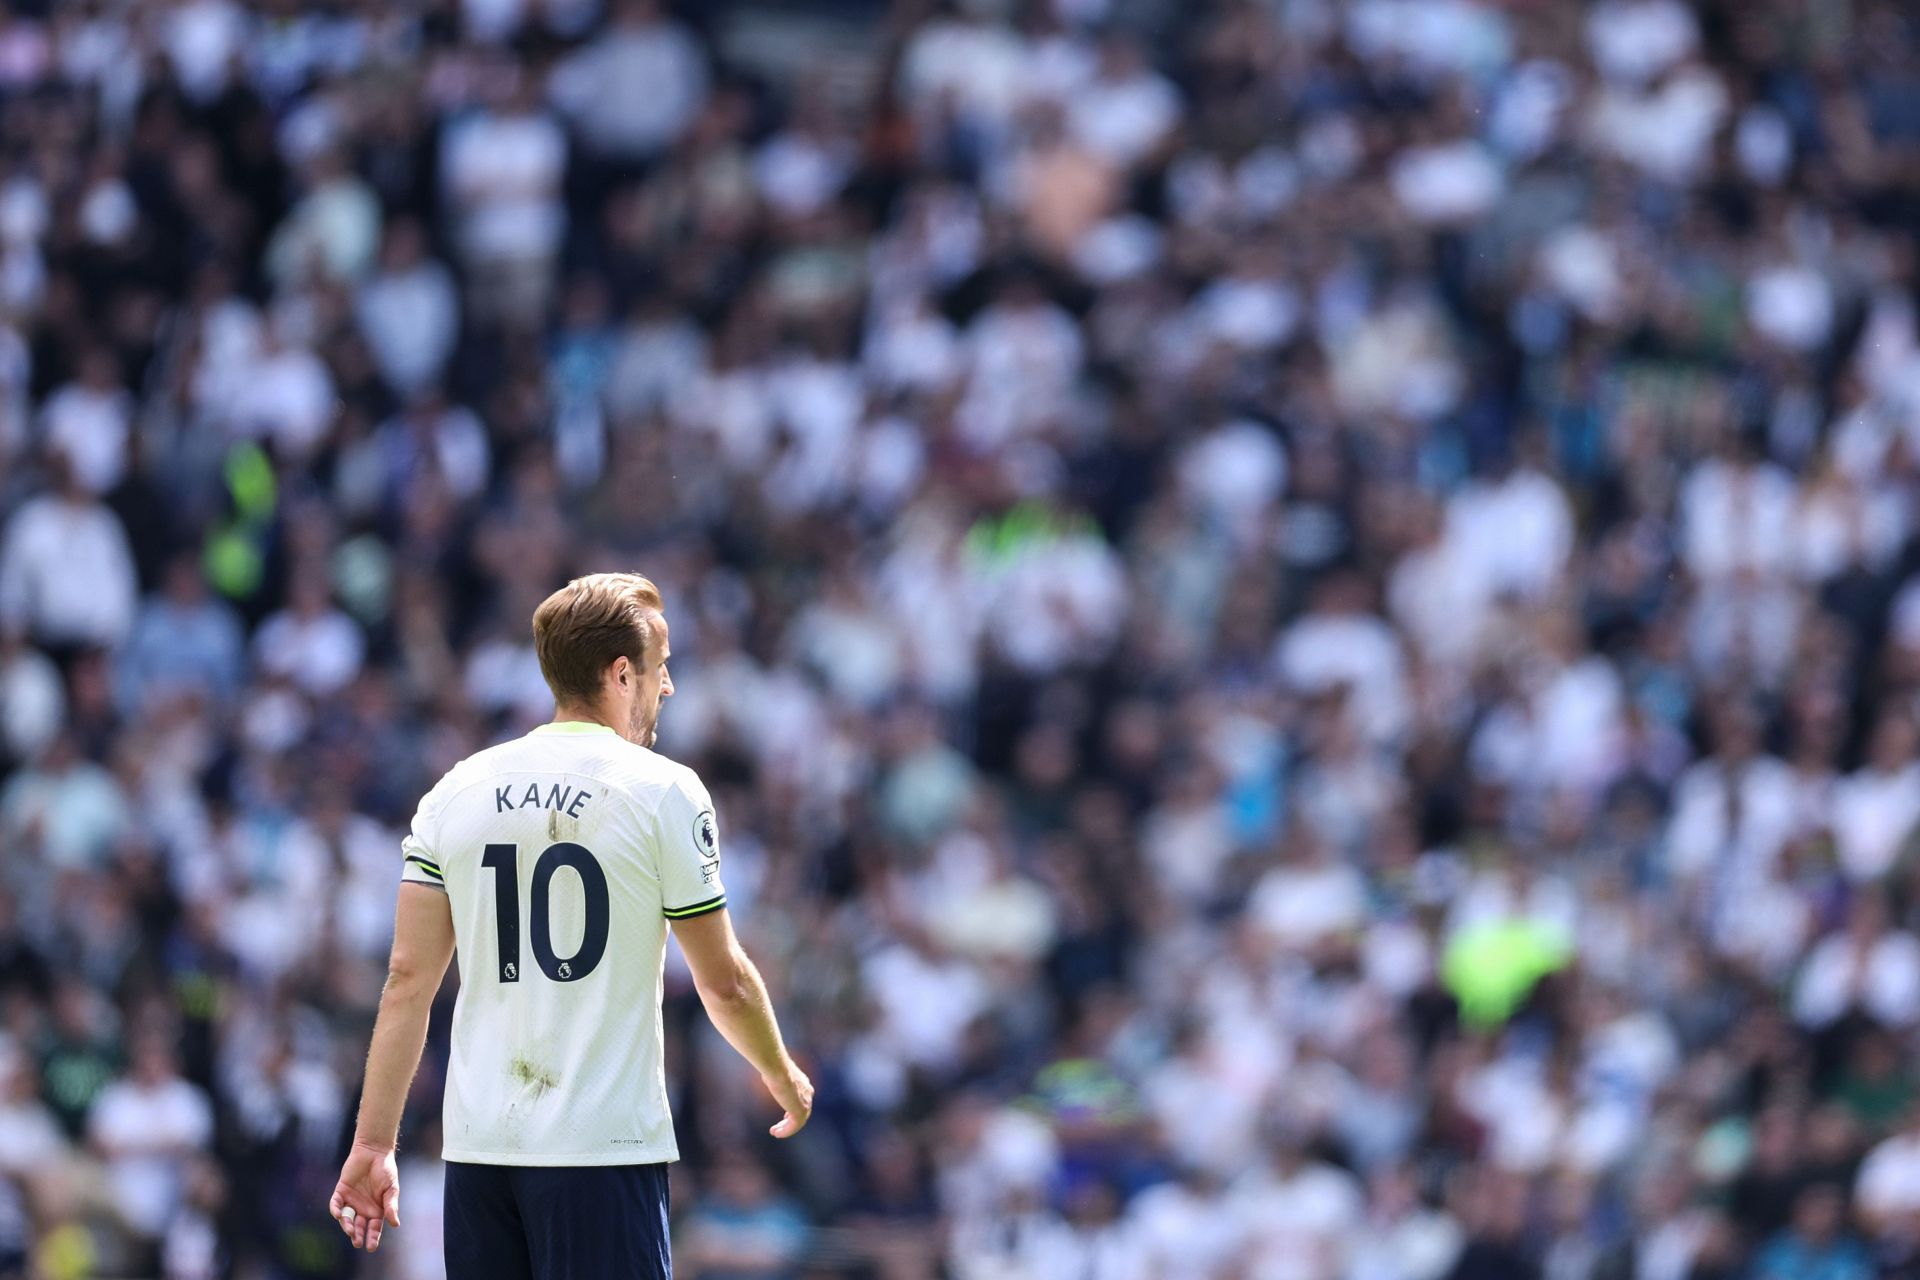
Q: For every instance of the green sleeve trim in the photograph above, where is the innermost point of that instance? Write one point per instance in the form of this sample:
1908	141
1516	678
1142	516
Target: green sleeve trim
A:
426	866
697	909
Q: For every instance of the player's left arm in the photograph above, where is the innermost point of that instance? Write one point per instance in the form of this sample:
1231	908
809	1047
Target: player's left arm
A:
369	1183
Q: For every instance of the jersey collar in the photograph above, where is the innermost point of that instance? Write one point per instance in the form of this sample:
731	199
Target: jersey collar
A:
574	726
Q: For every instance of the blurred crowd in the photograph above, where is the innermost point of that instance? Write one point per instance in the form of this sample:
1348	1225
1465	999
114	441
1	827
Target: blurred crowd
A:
1304	615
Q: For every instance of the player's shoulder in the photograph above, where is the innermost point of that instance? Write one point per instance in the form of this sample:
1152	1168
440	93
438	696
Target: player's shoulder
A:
647	776
501	757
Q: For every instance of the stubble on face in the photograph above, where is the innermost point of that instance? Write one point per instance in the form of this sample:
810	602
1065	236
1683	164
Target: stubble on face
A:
643	725
644	719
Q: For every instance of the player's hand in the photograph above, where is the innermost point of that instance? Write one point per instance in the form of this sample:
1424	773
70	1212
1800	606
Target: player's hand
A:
366	1200
794	1092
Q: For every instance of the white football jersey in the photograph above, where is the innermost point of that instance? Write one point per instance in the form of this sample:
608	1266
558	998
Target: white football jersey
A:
564	855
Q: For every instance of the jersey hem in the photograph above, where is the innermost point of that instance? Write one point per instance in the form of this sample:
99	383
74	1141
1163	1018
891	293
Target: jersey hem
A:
639	1154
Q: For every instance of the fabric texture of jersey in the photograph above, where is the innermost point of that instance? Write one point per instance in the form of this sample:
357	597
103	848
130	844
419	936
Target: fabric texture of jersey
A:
564	855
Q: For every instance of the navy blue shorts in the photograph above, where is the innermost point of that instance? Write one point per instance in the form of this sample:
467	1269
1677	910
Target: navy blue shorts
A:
599	1222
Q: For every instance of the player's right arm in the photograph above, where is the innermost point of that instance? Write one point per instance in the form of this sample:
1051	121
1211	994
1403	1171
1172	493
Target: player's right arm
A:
694	901
736	999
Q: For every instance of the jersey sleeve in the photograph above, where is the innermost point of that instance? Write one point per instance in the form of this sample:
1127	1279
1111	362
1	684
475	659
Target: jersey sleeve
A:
688	838
420	861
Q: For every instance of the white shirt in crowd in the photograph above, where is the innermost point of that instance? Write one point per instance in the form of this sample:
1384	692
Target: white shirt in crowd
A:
1182	1234
333	232
419	1252
286	398
1513	534
73	813
202	39
1874	812
146	1131
1024	360
91	428
633	91
1667	131
1449	183
1700	834
1889	1183
320	651
410	319
67	573
1883	982
981	67
30	1138
503	170
1325	650
1635	40
1303	905
1122	118
33	703
926	1002
1298	1225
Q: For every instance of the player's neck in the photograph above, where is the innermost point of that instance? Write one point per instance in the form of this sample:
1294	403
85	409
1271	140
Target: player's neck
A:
573	713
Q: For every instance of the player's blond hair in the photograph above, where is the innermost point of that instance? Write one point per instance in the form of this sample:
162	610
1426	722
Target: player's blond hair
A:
585	625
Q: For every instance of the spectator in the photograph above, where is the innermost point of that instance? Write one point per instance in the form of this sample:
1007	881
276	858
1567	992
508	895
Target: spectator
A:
633	90
1815	1247
66	808
89	423
285	395
146	1126
743	1229
184	643
311	643
332	231
66	572
30	1137
1876	808
409	313
1889	1189
502	167
1493	1209
1868	969
79	1054
32	703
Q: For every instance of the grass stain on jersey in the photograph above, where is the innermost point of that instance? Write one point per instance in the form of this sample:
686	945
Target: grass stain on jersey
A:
533	1076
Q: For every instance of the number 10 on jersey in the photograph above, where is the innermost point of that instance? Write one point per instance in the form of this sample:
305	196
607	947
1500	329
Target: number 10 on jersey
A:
504	859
